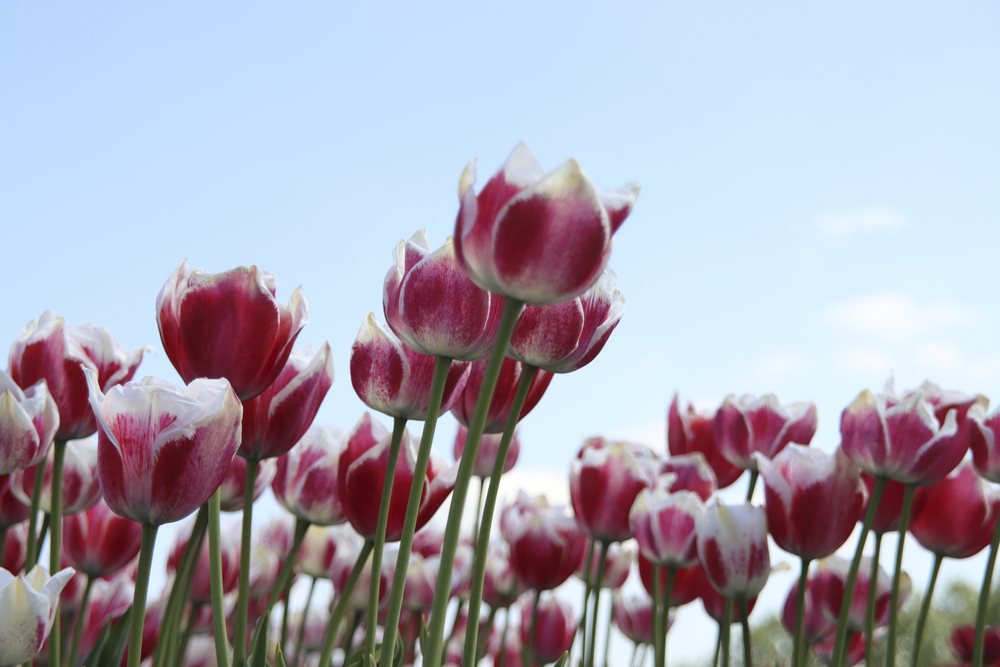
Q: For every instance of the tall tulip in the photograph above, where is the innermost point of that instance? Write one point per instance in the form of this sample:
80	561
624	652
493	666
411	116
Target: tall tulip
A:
827	586
690	431
546	545
28	606
29	420
489	446
548	628
306	480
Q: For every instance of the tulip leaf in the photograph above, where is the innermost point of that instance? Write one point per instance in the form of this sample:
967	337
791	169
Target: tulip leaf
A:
113	651
279	659
258	652
563	660
94	657
424	636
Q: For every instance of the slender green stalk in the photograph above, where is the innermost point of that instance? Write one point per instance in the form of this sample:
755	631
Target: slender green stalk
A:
46	517
483	543
34	548
287	594
753	484
166	653
398	428
665	617
55	544
582	627
904	524
81	618
925	607
341	607
607	634
800	611
718	647
285	575
870	611
215	568
601	564
391	627
511	311
139	598
840	643
533	631
745	623
635	654
188	631
659	639
479	504
727	621
302	625
984	598
243	601
480	646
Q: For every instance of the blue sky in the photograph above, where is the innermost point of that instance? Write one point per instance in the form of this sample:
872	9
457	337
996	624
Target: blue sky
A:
819	204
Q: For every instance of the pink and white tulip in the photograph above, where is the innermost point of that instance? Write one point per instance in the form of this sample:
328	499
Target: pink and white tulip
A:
546	544
80	487
690	431
201	582
306	480
29	420
12	509
15	551
604	481
747	425
318	549
665	525
691	473
503	394
633	615
554	630
98	542
109	600
235	482
816	627
732	549
28	606
984	438
958	514
617	565
486	455
827	582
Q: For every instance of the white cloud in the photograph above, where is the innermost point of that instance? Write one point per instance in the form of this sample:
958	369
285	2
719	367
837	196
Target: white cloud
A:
865	360
842	226
895	318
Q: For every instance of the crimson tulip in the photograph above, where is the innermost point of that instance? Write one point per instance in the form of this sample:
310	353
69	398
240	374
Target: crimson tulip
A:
150	630
12	509
489	447
715	605
49	350
890	505
539	238
29	420
109	600
306	478
503	395
732	548
604	481
985	444
961	643
958	514
827	586
507	650
633	615
428	541
275	419
690	431
816	627
228	325
691	473
665	525
853	654
746	425
235	481
554	628
98	542
546	544
15	550
689	582
80	487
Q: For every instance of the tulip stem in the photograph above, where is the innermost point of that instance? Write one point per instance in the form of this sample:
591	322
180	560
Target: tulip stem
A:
391	627
215	570
341	607
753	484
398	428
745	622
800	611
659	639
665	617
870	611
533	630
597	601
904	524
586	599
925	607
479	503
432	657
607	635
718	646
302	624
727	621
81	617
284	576
840	642
188	630
635	654
243	601
34	545
55	542
485	526
139	598
166	648
984	599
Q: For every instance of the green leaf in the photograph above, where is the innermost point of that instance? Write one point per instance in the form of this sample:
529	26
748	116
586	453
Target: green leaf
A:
424	635
279	660
563	660
94	657
258	655
113	651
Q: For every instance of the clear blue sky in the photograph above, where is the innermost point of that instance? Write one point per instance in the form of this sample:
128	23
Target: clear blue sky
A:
819	202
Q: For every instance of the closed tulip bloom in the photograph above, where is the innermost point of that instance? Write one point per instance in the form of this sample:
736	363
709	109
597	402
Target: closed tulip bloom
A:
690	431
393	379
235	481
732	548
344	562
962	642
49	350
280	415
15	550
958	514
747	425
501	587
428	541
28	606
29	420
503	394
361	475
665	525
691	473
853	653
985	443
109	600
617	565
604	481
12	509
201	591
433	306
265	565
163	450
566	336
539	238
228	325
715	605
318	549
890	505
555	626
80	487
510	651
812	499
546	544
689	582
634	617
902	439
98	542
816	627
827	581
305	482
421	578
486	455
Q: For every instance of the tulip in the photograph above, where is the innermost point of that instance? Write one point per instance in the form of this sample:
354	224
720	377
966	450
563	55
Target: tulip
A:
486	456
98	542
689	582
420	581
747	425
232	490
815	626
49	350
511	372
505	648
80	488
15	548
962	639
428	541
536	237
546	545
306	480
29	420
715	605
565	337
501	587
150	629
461	582
664	525
108	601
890	505
357	594
985	447
690	431
853	654
691	472
827	586
617	565
200	592
551	629
634	617
228	325
12	510
28	606
318	549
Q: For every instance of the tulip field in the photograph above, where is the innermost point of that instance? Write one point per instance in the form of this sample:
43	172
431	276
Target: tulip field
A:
94	462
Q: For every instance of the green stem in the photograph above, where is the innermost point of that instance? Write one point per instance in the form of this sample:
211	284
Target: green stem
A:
34	548
925	607
665	617
243	601
800	611
984	598
635	654
753	484
511	311
852	574
597	601
398	428
607	635
55	543
659	643
533	630
745	623
904	524
352	630
483	543
81	618
727	621
330	641
391	627
302	624
215	568
188	631
287	594
167	647
284	576
870	611
582	627
479	503
718	647
139	598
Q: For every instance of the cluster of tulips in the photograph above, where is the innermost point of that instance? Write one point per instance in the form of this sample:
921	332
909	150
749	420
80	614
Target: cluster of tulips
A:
478	327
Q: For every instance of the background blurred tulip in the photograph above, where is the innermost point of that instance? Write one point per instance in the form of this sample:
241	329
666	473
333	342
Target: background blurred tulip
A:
12	509
553	630
689	582
539	238
342	564
826	584
501	587
604	481
503	394
691	473
489	446
235	481
306	478
546	544
27	606
80	487
29	420
318	549
746	425
890	505
665	525
816	627
421	577
958	514
690	431
201	591
98	542
961	644
617	565
985	443
15	549
633	615
732	548
109	600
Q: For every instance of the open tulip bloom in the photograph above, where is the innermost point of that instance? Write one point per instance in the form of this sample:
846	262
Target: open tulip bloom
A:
29	420
28	605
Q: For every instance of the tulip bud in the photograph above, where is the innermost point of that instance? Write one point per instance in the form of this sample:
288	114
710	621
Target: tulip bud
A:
305	482
746	425
98	542
29	420
28	606
690	431
604	481
665	525
554	630
732	548
958	514
80	487
539	238
503	395
546	545
634	617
